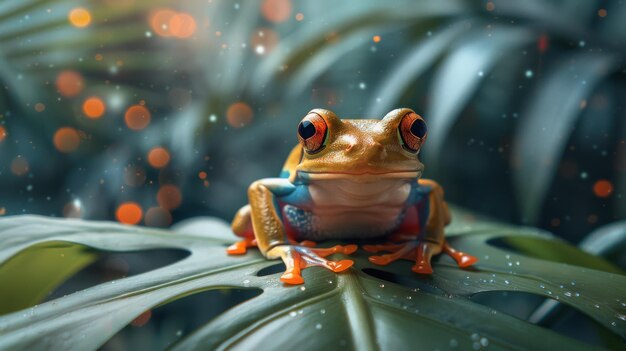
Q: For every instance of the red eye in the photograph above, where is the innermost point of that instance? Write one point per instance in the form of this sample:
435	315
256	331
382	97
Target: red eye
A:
413	132
312	133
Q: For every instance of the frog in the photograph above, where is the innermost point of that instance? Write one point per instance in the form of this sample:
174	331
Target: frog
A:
349	179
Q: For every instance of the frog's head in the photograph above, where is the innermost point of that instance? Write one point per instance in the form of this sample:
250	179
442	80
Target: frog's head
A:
336	148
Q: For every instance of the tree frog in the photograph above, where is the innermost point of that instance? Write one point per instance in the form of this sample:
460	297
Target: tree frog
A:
349	179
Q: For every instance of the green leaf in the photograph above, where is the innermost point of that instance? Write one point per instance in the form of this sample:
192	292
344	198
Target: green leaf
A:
548	121
461	74
415	63
368	307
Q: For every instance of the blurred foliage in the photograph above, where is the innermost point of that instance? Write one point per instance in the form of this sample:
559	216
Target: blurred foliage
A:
368	307
523	101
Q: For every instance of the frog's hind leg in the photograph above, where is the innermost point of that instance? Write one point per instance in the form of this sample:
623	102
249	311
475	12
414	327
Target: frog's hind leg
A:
242	227
461	258
398	251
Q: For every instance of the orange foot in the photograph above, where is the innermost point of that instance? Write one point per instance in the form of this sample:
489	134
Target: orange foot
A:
297	258
241	247
418	252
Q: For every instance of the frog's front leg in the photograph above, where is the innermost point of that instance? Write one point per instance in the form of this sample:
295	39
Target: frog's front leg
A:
271	237
421	250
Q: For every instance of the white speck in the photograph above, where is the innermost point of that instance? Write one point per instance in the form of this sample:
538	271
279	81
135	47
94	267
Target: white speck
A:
382	285
508	257
621	316
362	86
596	306
529	73
484	342
302	288
179	333
581	43
517	263
323	311
212	118
318	326
568	294
236	6
246	282
542	286
148	34
293	314
260	49
584	175
480	73
507	282
510	264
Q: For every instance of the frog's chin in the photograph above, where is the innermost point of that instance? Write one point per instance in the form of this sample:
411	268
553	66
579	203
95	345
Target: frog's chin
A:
364	177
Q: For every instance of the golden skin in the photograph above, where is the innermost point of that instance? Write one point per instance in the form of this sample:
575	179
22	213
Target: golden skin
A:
368	151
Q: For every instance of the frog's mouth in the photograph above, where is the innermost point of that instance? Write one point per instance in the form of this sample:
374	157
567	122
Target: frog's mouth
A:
360	177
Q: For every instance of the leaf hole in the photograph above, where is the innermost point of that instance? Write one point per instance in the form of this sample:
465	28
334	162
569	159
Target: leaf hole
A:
552	250
273	269
563	319
109	266
164	325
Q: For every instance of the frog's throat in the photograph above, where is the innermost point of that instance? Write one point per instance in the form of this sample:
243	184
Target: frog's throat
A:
365	176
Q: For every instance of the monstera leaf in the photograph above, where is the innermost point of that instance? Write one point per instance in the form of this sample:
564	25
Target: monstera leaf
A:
367	307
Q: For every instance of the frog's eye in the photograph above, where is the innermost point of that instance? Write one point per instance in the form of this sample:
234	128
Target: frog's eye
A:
412	131
312	133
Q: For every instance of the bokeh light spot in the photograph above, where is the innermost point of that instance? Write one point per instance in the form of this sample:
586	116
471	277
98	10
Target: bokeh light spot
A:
376	38
137	117
276	10
158	217
543	42
263	41
603	188
39	107
142	319
66	139
79	17
202	175
299	17
239	115
19	166
182	25
158	157
160	22
602	13
72	209
490	6
3	133
129	213
169	197
93	107
69	83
